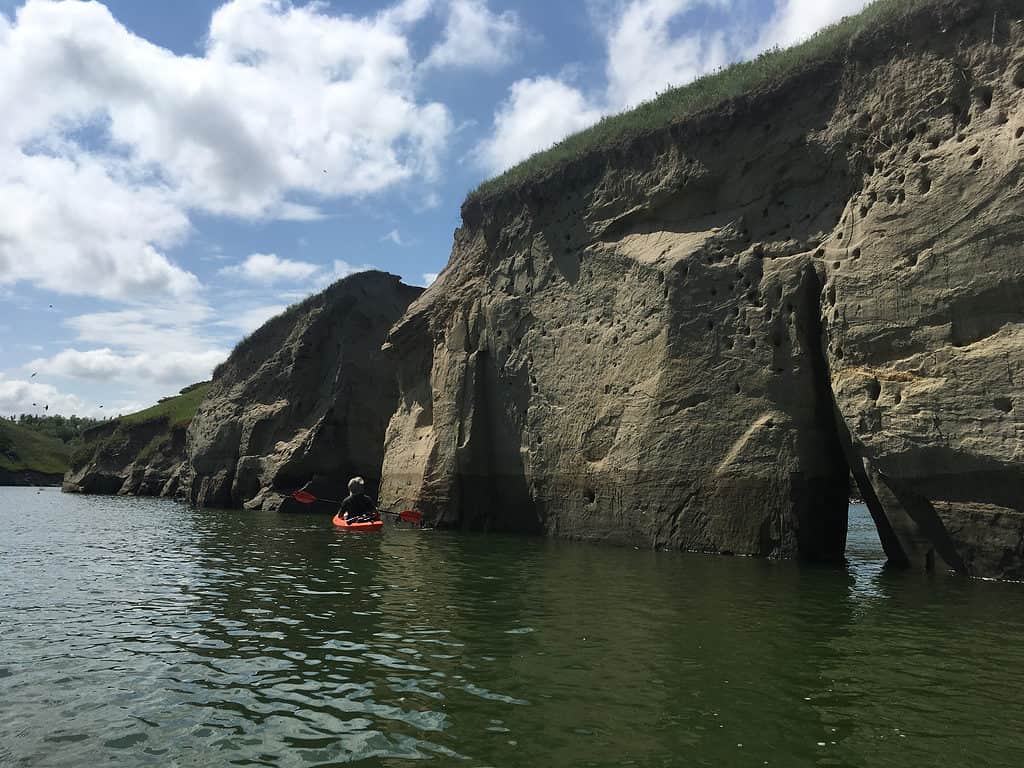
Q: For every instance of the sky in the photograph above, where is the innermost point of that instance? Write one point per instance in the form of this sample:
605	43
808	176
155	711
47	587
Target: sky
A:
172	174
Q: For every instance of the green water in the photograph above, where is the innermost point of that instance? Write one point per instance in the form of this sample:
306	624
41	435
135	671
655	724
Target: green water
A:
138	632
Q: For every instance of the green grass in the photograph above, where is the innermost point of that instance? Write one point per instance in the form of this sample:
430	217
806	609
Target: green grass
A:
177	410
703	94
24	449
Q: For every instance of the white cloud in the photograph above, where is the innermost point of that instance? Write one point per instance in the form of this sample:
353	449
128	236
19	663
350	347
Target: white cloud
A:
393	236
476	37
538	113
19	396
796	20
155	329
285	101
148	351
268	268
428	278
64	227
644	57
166	367
646	53
249	320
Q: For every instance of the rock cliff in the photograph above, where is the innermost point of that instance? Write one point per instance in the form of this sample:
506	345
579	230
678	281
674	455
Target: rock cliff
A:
306	397
691	339
141	454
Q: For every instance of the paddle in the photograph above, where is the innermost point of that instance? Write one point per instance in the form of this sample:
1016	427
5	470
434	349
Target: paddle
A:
408	515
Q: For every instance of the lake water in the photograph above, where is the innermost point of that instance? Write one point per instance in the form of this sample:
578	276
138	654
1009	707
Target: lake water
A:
137	632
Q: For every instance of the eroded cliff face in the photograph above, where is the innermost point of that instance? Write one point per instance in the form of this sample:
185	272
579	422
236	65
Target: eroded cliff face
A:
306	397
690	341
129	459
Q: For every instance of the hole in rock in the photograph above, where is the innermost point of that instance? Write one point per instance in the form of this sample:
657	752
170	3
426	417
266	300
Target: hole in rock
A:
589	496
1003	404
976	165
984	96
874	389
1019	132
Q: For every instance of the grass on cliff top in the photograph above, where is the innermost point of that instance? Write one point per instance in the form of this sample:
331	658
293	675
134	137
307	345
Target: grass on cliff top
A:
178	410
702	94
22	449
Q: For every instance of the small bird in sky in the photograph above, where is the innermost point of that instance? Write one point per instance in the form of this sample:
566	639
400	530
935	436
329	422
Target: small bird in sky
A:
325	170
33	374
101	406
51	306
34	405
46	407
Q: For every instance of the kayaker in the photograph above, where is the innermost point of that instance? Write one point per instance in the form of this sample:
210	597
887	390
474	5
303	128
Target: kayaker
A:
358	507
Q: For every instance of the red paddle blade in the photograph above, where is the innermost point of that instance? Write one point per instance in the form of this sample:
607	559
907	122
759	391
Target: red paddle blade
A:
411	516
304	497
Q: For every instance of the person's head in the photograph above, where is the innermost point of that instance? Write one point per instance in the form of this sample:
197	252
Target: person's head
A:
356	485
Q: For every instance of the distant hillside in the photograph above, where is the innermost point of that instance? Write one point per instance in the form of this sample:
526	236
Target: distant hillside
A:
30	458
140	453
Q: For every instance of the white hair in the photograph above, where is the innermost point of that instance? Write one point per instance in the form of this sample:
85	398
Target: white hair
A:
356	485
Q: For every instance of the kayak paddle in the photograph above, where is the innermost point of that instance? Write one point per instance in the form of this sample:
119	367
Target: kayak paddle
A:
408	515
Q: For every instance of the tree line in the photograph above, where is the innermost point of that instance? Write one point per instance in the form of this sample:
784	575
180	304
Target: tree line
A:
64	428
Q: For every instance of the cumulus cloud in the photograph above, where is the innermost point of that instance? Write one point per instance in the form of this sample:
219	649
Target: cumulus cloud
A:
284	101
65	228
150	350
649	48
796	20
19	396
268	268
166	367
645	57
476	37
428	278
538	113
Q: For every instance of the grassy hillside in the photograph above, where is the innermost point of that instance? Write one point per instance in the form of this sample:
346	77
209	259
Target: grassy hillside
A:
23	449
177	410
702	94
173	412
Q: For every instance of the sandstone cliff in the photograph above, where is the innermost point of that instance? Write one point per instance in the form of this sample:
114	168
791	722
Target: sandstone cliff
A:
306	398
691	339
141	454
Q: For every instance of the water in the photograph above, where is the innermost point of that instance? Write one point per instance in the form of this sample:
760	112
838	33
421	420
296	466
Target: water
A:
138	632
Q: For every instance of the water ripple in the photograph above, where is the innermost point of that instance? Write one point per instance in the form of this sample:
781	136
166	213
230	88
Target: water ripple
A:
142	633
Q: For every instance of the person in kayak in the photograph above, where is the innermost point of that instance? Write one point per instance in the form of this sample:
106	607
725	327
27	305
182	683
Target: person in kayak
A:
358	507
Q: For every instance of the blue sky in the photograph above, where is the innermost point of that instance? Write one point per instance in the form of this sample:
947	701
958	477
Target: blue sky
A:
174	173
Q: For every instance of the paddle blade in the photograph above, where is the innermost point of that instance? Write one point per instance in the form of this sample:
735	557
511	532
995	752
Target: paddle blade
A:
304	497
411	516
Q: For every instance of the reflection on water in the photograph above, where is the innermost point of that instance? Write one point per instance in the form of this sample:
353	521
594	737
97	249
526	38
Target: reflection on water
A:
139	632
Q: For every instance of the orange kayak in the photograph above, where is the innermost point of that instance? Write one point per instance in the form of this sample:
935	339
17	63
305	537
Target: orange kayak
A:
374	525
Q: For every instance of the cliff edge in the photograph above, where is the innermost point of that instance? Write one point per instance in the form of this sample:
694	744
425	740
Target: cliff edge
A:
305	398
141	454
690	339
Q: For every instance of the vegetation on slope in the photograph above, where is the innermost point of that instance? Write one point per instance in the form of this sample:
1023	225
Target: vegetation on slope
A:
177	411
23	449
703	94
67	429
173	412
